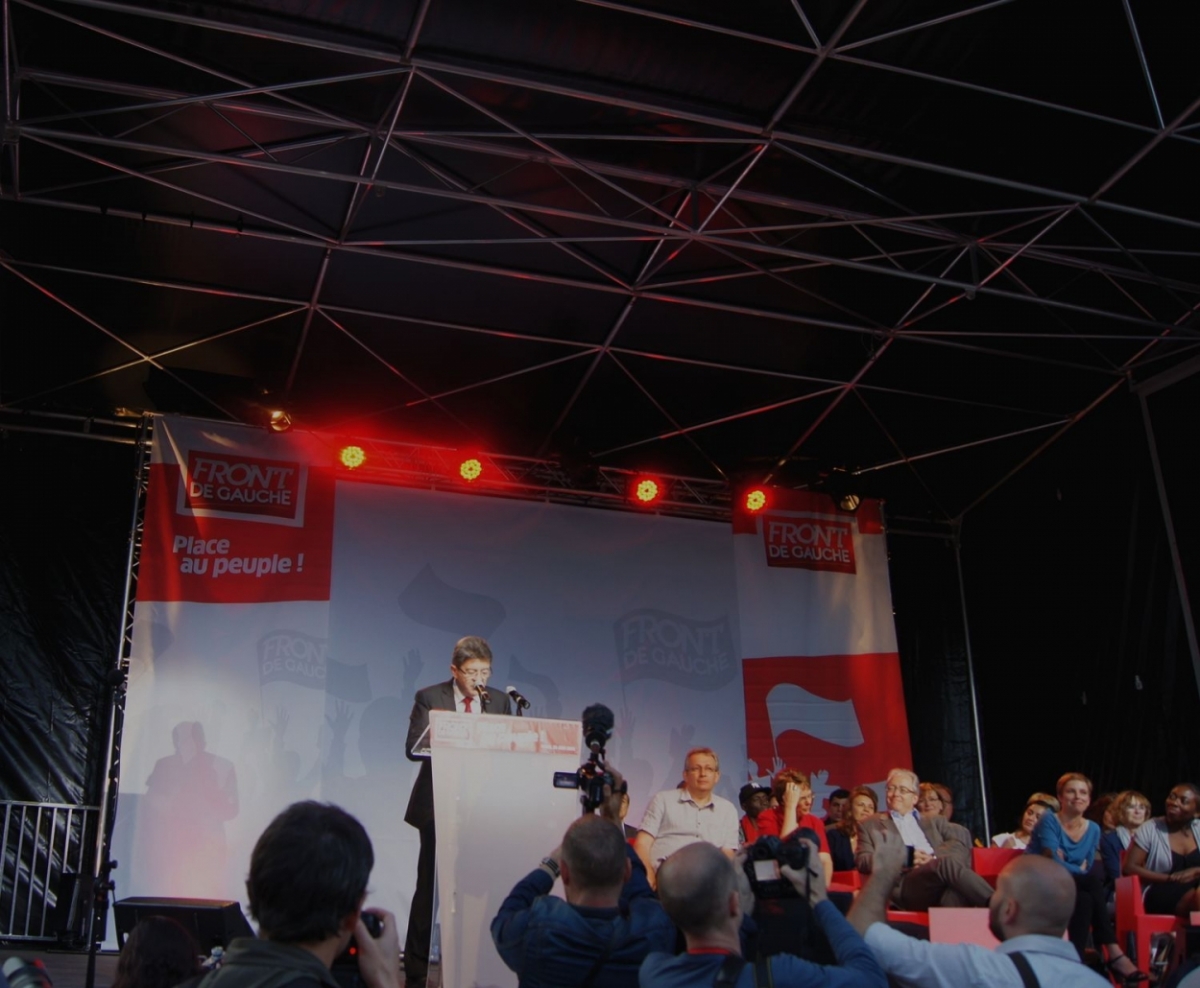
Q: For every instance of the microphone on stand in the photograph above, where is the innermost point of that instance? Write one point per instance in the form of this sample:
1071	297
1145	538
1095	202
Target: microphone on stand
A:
484	699
517	698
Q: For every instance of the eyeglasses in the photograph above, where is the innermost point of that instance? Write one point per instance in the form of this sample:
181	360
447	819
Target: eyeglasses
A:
927	798
903	789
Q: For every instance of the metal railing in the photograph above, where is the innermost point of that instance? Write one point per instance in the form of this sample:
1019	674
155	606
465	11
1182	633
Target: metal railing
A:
39	842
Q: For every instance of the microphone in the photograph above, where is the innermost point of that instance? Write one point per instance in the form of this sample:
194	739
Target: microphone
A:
517	698
484	699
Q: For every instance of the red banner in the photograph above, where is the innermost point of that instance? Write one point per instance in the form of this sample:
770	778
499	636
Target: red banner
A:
237	530
838	714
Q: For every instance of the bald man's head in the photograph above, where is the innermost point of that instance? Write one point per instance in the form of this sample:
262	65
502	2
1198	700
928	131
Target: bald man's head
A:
1033	895
694	886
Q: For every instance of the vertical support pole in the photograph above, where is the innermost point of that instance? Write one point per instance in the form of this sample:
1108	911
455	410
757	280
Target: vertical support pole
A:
1181	584
115	684
962	599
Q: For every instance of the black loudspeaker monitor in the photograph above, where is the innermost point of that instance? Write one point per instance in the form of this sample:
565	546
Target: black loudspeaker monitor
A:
213	922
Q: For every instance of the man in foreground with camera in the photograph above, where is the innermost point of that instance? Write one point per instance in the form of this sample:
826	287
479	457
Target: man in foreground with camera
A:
609	922
307	882
1028	914
706	894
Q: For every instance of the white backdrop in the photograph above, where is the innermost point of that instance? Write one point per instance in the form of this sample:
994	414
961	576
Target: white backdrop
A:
301	676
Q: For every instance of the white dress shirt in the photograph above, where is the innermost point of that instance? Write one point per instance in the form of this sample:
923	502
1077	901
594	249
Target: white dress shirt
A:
921	964
911	832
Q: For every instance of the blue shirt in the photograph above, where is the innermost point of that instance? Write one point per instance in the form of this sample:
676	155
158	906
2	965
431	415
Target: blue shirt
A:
856	966
549	942
1076	856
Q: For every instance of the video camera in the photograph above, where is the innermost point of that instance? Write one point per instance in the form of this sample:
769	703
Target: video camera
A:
765	857
592	776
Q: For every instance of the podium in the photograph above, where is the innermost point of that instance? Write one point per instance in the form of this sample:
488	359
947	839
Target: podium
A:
498	814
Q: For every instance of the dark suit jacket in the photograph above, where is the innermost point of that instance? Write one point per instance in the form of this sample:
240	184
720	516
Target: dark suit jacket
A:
946	838
439	697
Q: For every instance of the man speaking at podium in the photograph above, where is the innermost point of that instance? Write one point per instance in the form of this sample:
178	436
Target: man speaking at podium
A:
468	693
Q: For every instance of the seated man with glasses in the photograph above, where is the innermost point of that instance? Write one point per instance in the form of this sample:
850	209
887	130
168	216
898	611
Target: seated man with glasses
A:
938	867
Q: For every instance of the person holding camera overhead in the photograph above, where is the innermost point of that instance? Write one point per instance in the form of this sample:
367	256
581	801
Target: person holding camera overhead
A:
938	870
610	920
705	895
690	813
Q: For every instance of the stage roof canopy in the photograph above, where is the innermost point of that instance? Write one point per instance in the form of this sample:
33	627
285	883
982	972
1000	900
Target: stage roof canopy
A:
905	244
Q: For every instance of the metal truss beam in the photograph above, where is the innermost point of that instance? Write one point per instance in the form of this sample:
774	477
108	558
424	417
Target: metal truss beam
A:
295	305
797	319
907	224
537	82
54	139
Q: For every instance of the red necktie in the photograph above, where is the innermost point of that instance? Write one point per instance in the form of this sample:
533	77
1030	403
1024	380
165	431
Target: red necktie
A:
467	701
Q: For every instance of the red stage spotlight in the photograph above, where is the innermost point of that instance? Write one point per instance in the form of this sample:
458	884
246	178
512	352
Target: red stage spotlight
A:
470	470
646	490
756	499
352	457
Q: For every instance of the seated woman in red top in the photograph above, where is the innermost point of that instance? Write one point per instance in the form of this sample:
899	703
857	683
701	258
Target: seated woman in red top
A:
793	814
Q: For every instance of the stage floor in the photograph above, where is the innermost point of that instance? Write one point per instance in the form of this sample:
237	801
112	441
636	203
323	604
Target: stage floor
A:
68	969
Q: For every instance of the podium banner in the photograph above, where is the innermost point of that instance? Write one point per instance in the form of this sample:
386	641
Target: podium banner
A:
493	775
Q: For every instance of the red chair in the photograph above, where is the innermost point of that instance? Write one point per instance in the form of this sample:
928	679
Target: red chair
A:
907	916
846	881
1132	918
852	881
989	861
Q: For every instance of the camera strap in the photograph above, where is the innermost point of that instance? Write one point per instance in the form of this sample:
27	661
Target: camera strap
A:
1025	969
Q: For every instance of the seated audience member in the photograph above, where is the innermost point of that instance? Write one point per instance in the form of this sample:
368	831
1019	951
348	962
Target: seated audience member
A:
703	892
1072	840
932	802
1099	812
836	807
843	838
939	873
754	800
690	812
792	815
307	882
1128	811
158	954
947	799
1035	808
1028	913
1165	855
609	922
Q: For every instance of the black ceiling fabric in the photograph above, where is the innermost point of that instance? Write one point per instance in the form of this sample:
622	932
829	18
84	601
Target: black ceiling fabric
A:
916	243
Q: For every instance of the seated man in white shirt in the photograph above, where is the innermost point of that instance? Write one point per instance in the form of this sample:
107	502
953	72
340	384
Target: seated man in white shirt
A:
691	813
939	870
1028	914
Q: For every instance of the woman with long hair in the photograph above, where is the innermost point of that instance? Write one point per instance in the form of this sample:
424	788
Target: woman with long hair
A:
843	837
